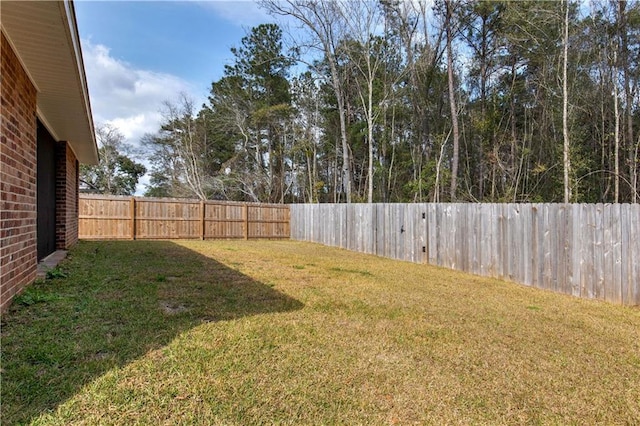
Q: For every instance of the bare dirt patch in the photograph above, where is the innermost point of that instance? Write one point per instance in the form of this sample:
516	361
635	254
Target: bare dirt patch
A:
173	308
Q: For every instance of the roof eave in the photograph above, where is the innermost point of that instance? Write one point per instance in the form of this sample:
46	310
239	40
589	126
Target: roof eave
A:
45	37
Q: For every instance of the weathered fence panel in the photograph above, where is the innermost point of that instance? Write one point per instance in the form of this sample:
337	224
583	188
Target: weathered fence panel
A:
586	250
114	217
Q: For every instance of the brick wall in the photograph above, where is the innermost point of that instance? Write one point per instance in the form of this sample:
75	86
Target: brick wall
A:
66	196
18	249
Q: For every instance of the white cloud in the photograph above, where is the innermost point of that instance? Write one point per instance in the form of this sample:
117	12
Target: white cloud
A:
125	96
132	126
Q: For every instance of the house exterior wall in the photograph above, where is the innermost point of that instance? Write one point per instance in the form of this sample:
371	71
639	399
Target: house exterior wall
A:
66	197
18	148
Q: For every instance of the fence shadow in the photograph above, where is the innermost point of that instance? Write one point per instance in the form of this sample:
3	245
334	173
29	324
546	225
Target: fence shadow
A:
111	303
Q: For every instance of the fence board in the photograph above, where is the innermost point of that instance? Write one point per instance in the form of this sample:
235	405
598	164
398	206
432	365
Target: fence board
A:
463	237
608	252
484	248
616	240
587	258
599	257
585	250
448	243
625	267
393	231
431	234
529	249
537	244
501	241
416	229
634	253
574	259
421	232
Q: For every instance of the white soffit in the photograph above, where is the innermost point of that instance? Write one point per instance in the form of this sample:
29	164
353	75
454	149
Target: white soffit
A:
45	37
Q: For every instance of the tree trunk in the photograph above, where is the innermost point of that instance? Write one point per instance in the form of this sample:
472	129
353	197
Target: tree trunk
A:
452	101
346	163
565	101
370	137
616	146
624	50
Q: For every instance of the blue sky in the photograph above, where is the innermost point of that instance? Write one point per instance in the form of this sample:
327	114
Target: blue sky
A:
139	54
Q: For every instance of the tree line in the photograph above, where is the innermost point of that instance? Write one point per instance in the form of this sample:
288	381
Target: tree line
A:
396	101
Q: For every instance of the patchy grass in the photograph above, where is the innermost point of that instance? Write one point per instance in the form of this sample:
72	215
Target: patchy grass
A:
236	332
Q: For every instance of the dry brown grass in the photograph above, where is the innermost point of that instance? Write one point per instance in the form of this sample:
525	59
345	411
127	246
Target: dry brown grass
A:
372	341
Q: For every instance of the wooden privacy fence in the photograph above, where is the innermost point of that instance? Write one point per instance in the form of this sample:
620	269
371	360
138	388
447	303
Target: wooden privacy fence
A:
115	217
586	250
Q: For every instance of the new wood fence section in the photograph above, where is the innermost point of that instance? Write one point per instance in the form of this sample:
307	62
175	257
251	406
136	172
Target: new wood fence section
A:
586	250
112	217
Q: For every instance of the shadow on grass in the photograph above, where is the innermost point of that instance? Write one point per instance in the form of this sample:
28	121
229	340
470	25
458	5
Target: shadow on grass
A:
118	301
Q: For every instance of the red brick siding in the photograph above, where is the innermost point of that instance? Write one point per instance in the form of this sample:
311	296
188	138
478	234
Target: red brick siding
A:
18	150
66	197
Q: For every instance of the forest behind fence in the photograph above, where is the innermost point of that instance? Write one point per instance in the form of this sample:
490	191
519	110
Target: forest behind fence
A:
586	250
116	217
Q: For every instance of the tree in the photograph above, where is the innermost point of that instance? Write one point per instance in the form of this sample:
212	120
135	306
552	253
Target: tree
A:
420	96
253	102
540	104
116	173
368	53
323	20
186	154
307	103
481	29
181	148
627	28
450	31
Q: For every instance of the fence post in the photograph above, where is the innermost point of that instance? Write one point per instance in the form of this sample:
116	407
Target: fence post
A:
425	233
202	228
246	221
132	213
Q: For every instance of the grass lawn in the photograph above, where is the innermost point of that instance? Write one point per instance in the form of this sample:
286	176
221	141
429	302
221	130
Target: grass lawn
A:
235	332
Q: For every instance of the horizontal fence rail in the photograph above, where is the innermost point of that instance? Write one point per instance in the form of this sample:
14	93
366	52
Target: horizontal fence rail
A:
116	217
586	250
